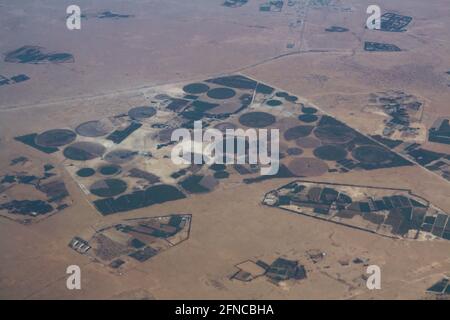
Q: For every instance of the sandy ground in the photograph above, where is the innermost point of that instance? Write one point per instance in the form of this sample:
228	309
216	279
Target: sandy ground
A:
171	41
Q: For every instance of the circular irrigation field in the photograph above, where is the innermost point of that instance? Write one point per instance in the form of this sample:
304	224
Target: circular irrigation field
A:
331	134
330	152
294	151
139	113
55	138
274	103
371	154
108	188
83	151
309	110
257	119
85	172
109	170
95	128
298	132
196	88
221	93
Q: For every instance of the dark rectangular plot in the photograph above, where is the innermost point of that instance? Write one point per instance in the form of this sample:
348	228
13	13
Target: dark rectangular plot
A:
440	134
346	214
396	161
175	221
396	202
105	206
137	244
404	226
352	166
430	219
178	173
322	210
447	290
437	165
417	204
191	97
364	207
439	286
55	190
202	106
328	120
345	162
119	135
424	157
284	200
388	142
234	3
446	235
441	220
20	78
193	116
241	169
412	147
427	227
388	203
138	199
447	226
314	194
282	269
374	217
394	219
406	213
300	273
380	205
380	47
177	104
354	206
264	89
437	231
404	201
3	80
284	263
348	164
393	22
418	216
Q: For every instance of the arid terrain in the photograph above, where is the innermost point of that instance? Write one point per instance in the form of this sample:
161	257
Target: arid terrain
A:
217	239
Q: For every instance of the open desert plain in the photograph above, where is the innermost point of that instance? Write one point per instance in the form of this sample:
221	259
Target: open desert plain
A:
87	176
